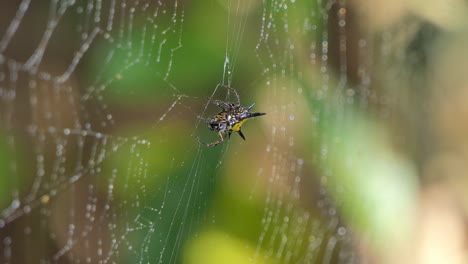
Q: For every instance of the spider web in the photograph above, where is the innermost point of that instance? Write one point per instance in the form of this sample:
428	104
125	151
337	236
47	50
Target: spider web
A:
101	101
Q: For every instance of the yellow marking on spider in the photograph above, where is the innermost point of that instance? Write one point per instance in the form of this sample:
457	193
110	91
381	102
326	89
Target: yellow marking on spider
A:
237	126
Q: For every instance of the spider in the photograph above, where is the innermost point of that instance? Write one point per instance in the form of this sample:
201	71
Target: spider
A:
231	118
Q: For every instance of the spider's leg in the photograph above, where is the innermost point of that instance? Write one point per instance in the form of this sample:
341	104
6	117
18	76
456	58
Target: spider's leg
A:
235	93
219	141
221	104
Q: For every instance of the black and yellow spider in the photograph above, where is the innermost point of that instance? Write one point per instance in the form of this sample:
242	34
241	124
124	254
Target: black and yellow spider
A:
229	119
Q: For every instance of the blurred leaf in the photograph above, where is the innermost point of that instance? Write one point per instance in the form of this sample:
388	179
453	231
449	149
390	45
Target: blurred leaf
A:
372	181
214	247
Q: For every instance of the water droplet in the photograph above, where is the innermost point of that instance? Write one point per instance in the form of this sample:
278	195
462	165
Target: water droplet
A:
15	204
341	231
45	199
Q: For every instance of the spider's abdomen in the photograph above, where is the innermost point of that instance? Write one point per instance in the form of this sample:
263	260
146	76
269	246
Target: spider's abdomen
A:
237	126
233	120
